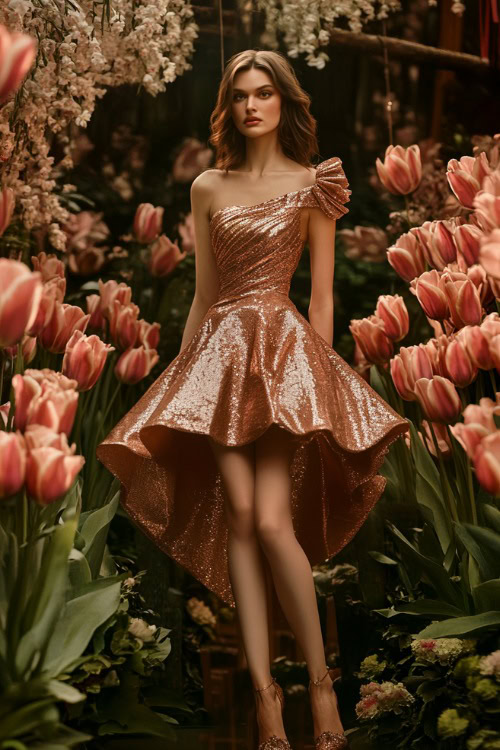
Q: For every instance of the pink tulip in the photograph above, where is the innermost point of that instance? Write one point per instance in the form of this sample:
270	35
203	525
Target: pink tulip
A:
38	436
26	389
50	473
58	329
84	359
430	292
487	203
4	413
461	369
441	435
51	293
466	176
49	266
392	310
17	53
401	170
463	300
28	349
148	334
192	159
489	253
20	294
477	343
134	364
487	463
51	379
467	238
364	243
407	257
482	282
186	231
97	320
147	222
12	463
123	324
369	333
495	351
55	409
438	245
7	203
410	364
111	291
494	286
438	398
165	256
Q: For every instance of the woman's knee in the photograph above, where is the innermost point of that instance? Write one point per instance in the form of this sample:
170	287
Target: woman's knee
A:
272	530
241	518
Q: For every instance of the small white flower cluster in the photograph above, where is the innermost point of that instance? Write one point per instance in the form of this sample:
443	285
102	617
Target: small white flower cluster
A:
140	629
377	698
146	42
200	613
304	25
490	665
443	650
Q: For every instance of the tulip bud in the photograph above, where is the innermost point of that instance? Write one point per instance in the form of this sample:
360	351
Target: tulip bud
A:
407	257
84	359
459	365
50	473
369	334
12	463
438	398
111	291
437	243
51	293
25	389
430	291
165	256
487	463
441	436
39	436
134	364
489	253
93	302
392	310
487	203
401	170
147	222
55	409
20	294
7	202
410	364
49	266
476	342
466	176
464	301
467	238
123	324
148	334
28	348
58	330
17	53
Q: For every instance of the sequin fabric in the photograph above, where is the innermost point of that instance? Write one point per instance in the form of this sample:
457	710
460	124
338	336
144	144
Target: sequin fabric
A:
274	743
330	741
253	361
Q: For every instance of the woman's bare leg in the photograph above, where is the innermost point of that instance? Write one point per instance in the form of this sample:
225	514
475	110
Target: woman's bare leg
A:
246	573
290	567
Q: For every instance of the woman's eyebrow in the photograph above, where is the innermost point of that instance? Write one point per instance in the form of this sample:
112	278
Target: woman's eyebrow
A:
257	89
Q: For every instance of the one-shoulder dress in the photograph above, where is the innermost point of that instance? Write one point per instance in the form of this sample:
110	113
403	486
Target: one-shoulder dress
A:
254	360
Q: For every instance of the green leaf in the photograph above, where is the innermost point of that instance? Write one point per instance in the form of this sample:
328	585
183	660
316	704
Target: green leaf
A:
484	546
461	626
64	692
379	557
492	516
430	608
487	595
96	521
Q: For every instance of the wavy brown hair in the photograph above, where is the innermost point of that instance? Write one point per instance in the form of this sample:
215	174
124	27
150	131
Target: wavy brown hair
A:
297	127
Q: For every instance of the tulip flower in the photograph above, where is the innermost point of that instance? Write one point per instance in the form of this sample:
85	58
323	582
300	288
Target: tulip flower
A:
58	329
84	359
438	245
463	300
489	253
392	310
28	349
12	463
51	379
477	342
123	324
50	473
482	282
55	409
467	238
410	364
7	205
49	266
148	334
192	158
364	243
147	222
20	294
438	398
39	436
478	423
51	293
487	463
111	291
165	256
461	370
25	389
17	53
134	364
401	170
407	257
94	309
465	177
441	435
369	333
487	203
430	292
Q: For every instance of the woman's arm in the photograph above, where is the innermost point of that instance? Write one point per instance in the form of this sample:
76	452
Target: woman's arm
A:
207	280
321	233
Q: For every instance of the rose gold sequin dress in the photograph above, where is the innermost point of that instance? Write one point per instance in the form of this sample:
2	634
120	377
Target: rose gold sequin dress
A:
254	360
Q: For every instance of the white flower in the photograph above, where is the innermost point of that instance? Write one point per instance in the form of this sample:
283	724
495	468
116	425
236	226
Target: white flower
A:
490	665
200	613
443	650
140	629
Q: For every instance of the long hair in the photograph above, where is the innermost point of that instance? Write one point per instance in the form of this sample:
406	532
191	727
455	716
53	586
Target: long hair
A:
297	127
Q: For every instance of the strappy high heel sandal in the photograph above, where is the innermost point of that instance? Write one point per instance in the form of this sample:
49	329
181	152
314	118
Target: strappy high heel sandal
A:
328	740
273	742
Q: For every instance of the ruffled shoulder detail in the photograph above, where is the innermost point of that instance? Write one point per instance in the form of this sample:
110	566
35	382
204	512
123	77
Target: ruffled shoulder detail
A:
330	190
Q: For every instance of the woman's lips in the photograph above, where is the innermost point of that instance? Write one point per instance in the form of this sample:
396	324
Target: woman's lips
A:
252	122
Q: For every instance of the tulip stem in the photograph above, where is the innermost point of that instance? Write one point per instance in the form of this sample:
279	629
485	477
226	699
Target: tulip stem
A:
444	477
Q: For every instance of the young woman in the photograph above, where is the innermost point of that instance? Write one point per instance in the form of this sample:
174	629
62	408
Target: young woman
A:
258	444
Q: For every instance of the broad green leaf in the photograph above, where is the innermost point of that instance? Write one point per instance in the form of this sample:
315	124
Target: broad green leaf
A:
97	520
492	516
430	607
379	557
486	595
484	546
461	626
64	692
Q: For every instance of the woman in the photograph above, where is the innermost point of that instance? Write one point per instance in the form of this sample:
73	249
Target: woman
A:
258	444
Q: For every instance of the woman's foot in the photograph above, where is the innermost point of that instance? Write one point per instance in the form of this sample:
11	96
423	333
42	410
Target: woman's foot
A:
324	707
269	713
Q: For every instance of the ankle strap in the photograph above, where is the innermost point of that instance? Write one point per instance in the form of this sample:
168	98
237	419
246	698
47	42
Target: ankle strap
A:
259	690
316	682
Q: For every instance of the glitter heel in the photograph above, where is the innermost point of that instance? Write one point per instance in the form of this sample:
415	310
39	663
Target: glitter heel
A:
273	742
328	740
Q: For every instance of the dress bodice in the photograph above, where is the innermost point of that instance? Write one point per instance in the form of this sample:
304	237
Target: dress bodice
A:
257	247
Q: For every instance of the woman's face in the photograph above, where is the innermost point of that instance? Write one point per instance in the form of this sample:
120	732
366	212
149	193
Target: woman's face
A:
255	95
